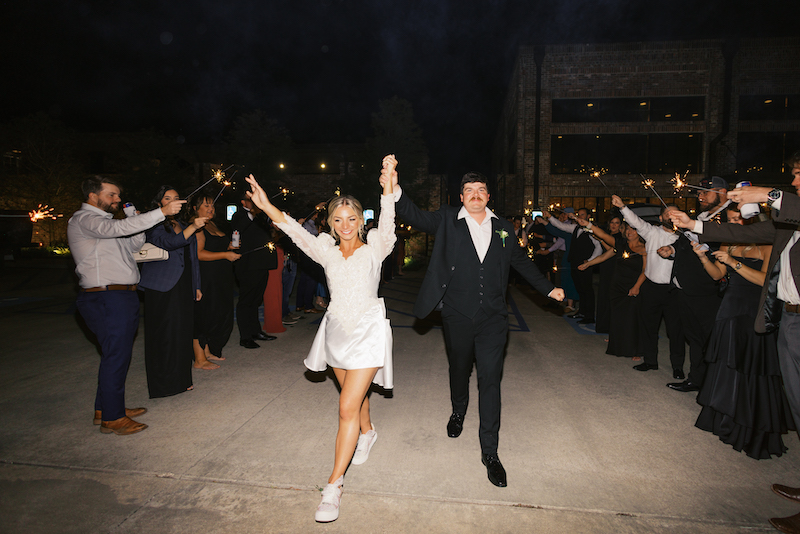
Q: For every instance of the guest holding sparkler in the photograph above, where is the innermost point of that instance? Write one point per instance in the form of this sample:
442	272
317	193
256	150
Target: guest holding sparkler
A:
581	248
214	312
103	249
607	262
742	398
658	298
354	337
252	271
170	287
628	276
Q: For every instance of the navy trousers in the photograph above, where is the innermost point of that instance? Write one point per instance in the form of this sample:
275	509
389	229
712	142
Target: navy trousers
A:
113	316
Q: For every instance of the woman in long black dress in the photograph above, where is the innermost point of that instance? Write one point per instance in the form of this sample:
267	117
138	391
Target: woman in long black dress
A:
170	288
213	321
630	259
602	314
742	396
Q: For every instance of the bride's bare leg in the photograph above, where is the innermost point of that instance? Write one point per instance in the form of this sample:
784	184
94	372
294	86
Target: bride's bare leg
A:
366	424
355	384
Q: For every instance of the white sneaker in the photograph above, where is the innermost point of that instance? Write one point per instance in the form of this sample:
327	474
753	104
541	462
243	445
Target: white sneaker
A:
365	443
328	509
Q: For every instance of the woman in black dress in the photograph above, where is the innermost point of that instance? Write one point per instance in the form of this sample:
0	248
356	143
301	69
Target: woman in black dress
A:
170	288
630	259
742	396
213	321
602	312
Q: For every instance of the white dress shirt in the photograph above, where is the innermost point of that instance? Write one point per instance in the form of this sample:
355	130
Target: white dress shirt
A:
658	270
481	233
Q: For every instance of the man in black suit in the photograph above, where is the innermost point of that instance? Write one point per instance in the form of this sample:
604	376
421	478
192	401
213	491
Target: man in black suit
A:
468	276
698	299
252	270
780	295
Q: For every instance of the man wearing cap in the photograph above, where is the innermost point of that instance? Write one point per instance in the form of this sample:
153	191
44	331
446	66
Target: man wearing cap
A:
103	249
714	201
780	295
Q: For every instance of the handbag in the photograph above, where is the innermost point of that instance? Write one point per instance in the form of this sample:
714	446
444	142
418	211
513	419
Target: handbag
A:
150	252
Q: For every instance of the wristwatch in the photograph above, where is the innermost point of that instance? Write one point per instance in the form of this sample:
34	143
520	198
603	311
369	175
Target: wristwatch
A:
737	266
773	195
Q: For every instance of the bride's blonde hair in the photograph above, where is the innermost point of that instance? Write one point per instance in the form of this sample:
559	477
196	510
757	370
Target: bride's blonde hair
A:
355	205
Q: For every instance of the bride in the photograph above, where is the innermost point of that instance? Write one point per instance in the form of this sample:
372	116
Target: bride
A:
354	337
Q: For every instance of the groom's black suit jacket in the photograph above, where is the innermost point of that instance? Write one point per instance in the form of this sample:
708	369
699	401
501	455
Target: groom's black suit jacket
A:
453	250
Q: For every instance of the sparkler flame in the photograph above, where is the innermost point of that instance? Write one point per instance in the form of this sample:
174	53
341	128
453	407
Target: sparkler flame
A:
42	212
625	255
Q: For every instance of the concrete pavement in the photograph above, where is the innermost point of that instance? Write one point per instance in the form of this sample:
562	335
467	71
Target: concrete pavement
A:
589	444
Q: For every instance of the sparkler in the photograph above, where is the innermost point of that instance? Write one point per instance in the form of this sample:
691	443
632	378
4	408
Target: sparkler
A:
679	182
42	212
270	246
337	192
649	183
625	255
597	173
283	192
218	175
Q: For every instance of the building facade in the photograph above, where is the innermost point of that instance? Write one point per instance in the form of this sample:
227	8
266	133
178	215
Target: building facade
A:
581	122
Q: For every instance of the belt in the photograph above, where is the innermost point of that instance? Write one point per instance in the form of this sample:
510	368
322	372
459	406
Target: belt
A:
793	308
110	287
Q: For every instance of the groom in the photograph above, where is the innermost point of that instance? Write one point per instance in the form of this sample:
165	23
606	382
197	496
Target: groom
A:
467	276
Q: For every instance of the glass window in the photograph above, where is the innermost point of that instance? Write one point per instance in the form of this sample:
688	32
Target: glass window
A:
668	153
769	107
678	108
762	151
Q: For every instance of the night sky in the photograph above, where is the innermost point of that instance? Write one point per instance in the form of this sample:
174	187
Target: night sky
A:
319	66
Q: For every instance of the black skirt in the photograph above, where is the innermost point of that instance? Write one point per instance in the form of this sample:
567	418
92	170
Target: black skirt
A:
168	329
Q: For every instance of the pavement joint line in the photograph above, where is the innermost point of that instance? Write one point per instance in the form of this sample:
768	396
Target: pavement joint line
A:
233	432
756	527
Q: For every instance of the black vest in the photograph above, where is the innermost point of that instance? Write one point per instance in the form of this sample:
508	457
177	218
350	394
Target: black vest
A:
477	285
580	249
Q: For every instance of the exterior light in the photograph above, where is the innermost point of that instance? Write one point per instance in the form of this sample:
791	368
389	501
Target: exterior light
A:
321	165
768	101
282	166
589	105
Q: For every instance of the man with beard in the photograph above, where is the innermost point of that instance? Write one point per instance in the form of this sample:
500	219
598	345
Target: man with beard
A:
780	294
103	249
713	202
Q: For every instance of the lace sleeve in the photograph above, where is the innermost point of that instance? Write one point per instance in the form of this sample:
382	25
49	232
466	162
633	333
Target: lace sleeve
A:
384	238
314	246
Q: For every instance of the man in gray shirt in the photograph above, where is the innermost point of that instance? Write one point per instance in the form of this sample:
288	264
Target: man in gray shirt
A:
103	249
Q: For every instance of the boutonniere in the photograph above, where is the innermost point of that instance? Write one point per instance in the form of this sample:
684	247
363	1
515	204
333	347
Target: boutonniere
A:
503	235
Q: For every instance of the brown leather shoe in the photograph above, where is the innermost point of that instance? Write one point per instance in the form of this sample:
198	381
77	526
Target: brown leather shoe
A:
790	525
122	426
129	412
793	494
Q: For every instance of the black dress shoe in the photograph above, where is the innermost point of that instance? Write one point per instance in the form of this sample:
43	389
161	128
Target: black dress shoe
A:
497	475
646	367
677	374
248	344
586	321
684	386
263	336
578	316
455	425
